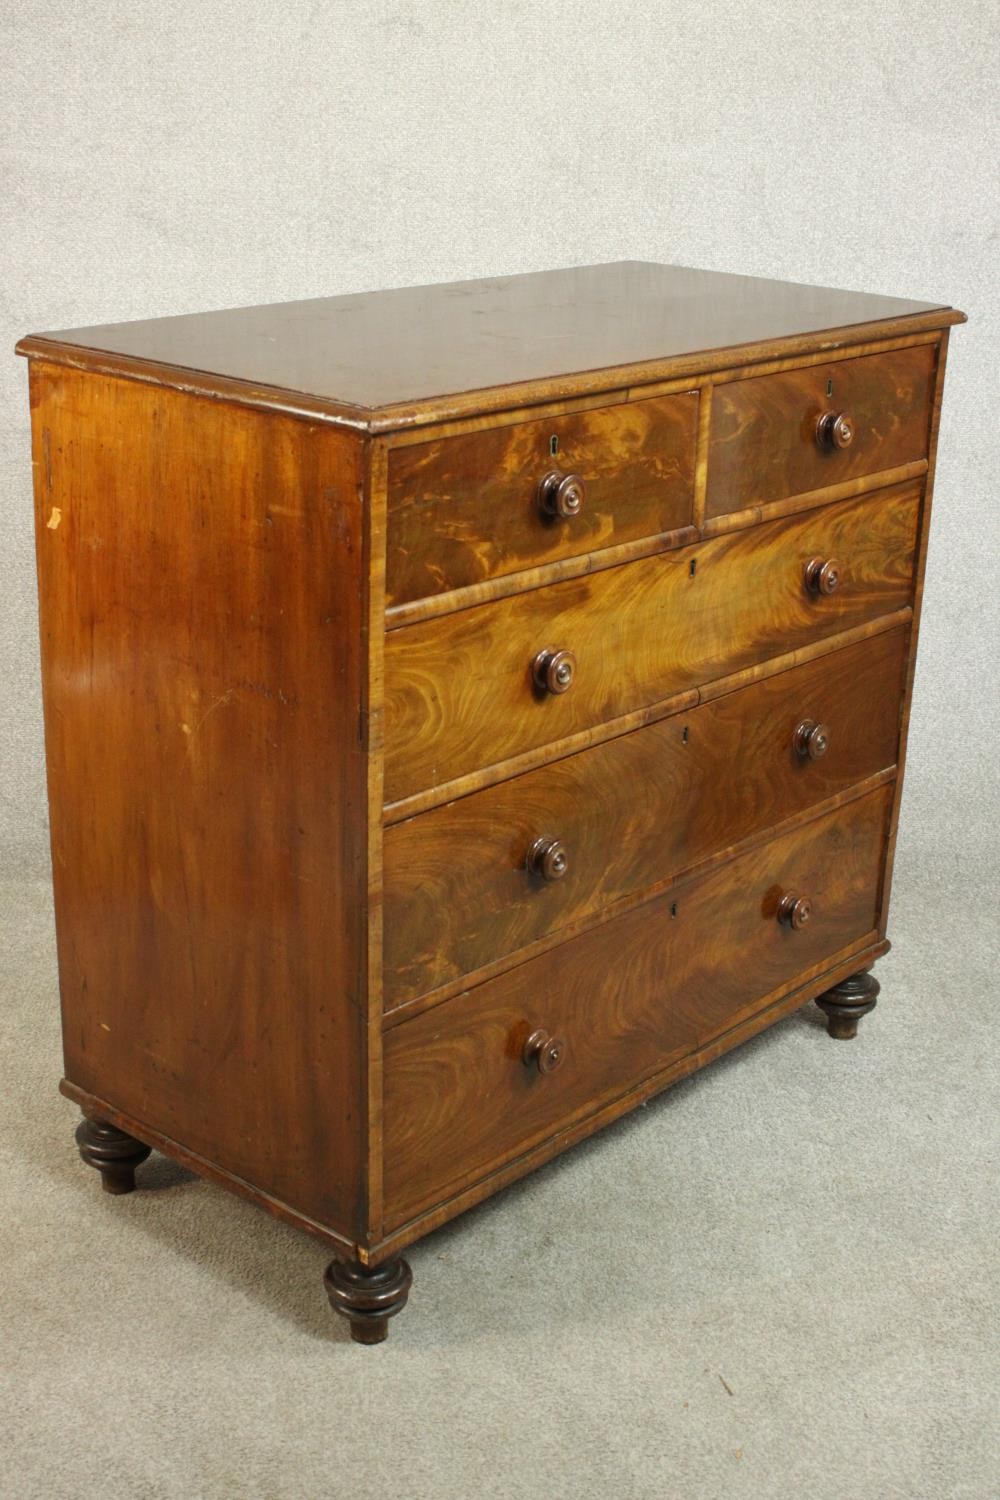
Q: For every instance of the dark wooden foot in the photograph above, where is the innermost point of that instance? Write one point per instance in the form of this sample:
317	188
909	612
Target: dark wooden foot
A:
368	1298
846	1003
114	1154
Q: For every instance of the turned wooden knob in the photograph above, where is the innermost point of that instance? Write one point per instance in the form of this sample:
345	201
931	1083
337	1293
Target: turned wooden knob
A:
547	857
794	911
546	1052
553	671
835	429
822	575
560	494
811	740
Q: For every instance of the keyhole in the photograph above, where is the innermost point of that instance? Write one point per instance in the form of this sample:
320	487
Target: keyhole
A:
553	445
829	388
684	736
673	908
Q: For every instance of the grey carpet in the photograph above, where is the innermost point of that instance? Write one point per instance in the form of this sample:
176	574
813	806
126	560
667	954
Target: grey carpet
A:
776	1280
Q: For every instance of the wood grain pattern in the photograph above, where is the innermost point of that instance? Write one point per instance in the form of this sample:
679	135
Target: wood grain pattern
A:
507	584
782	1001
199	573
502	587
609	729
458	896
701	453
792	505
464	509
405	1011
626	998
458	692
763	443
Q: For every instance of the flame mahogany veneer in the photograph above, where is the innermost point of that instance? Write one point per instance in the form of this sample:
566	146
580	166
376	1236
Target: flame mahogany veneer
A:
468	709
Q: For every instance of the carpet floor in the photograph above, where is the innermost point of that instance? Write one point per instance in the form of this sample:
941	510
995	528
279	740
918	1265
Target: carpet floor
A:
778	1279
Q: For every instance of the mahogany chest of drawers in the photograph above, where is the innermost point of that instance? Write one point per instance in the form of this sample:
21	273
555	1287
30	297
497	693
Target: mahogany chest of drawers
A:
468	709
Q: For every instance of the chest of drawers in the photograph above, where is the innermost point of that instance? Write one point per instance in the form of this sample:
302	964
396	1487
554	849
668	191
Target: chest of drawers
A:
468	710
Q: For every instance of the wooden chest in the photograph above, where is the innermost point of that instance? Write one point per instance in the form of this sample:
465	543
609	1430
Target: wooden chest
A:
468	709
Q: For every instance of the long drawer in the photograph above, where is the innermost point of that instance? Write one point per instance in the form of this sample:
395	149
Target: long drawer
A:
477	879
464	1091
475	688
805	429
469	507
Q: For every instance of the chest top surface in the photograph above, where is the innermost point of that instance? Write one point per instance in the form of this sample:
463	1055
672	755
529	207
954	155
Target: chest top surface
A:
368	353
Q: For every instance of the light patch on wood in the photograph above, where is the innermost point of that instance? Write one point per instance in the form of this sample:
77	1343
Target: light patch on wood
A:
220	702
55	516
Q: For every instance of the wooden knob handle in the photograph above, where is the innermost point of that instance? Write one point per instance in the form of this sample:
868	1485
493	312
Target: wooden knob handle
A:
794	911
548	858
811	740
835	430
545	1051
560	494
822	575
553	671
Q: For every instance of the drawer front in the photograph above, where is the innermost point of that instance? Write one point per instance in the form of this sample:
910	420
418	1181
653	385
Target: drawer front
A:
765	443
625	999
459	690
629	813
463	509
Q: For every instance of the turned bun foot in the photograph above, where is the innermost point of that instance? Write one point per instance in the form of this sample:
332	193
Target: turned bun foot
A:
114	1154
368	1297
846	1003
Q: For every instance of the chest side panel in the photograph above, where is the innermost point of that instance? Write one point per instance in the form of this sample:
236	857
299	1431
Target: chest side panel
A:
201	592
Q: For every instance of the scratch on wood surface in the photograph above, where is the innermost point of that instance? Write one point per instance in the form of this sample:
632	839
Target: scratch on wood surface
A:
223	699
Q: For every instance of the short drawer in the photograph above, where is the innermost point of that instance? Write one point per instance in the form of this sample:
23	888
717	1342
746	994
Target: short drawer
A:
778	435
623	1000
471	507
468	690
459	889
